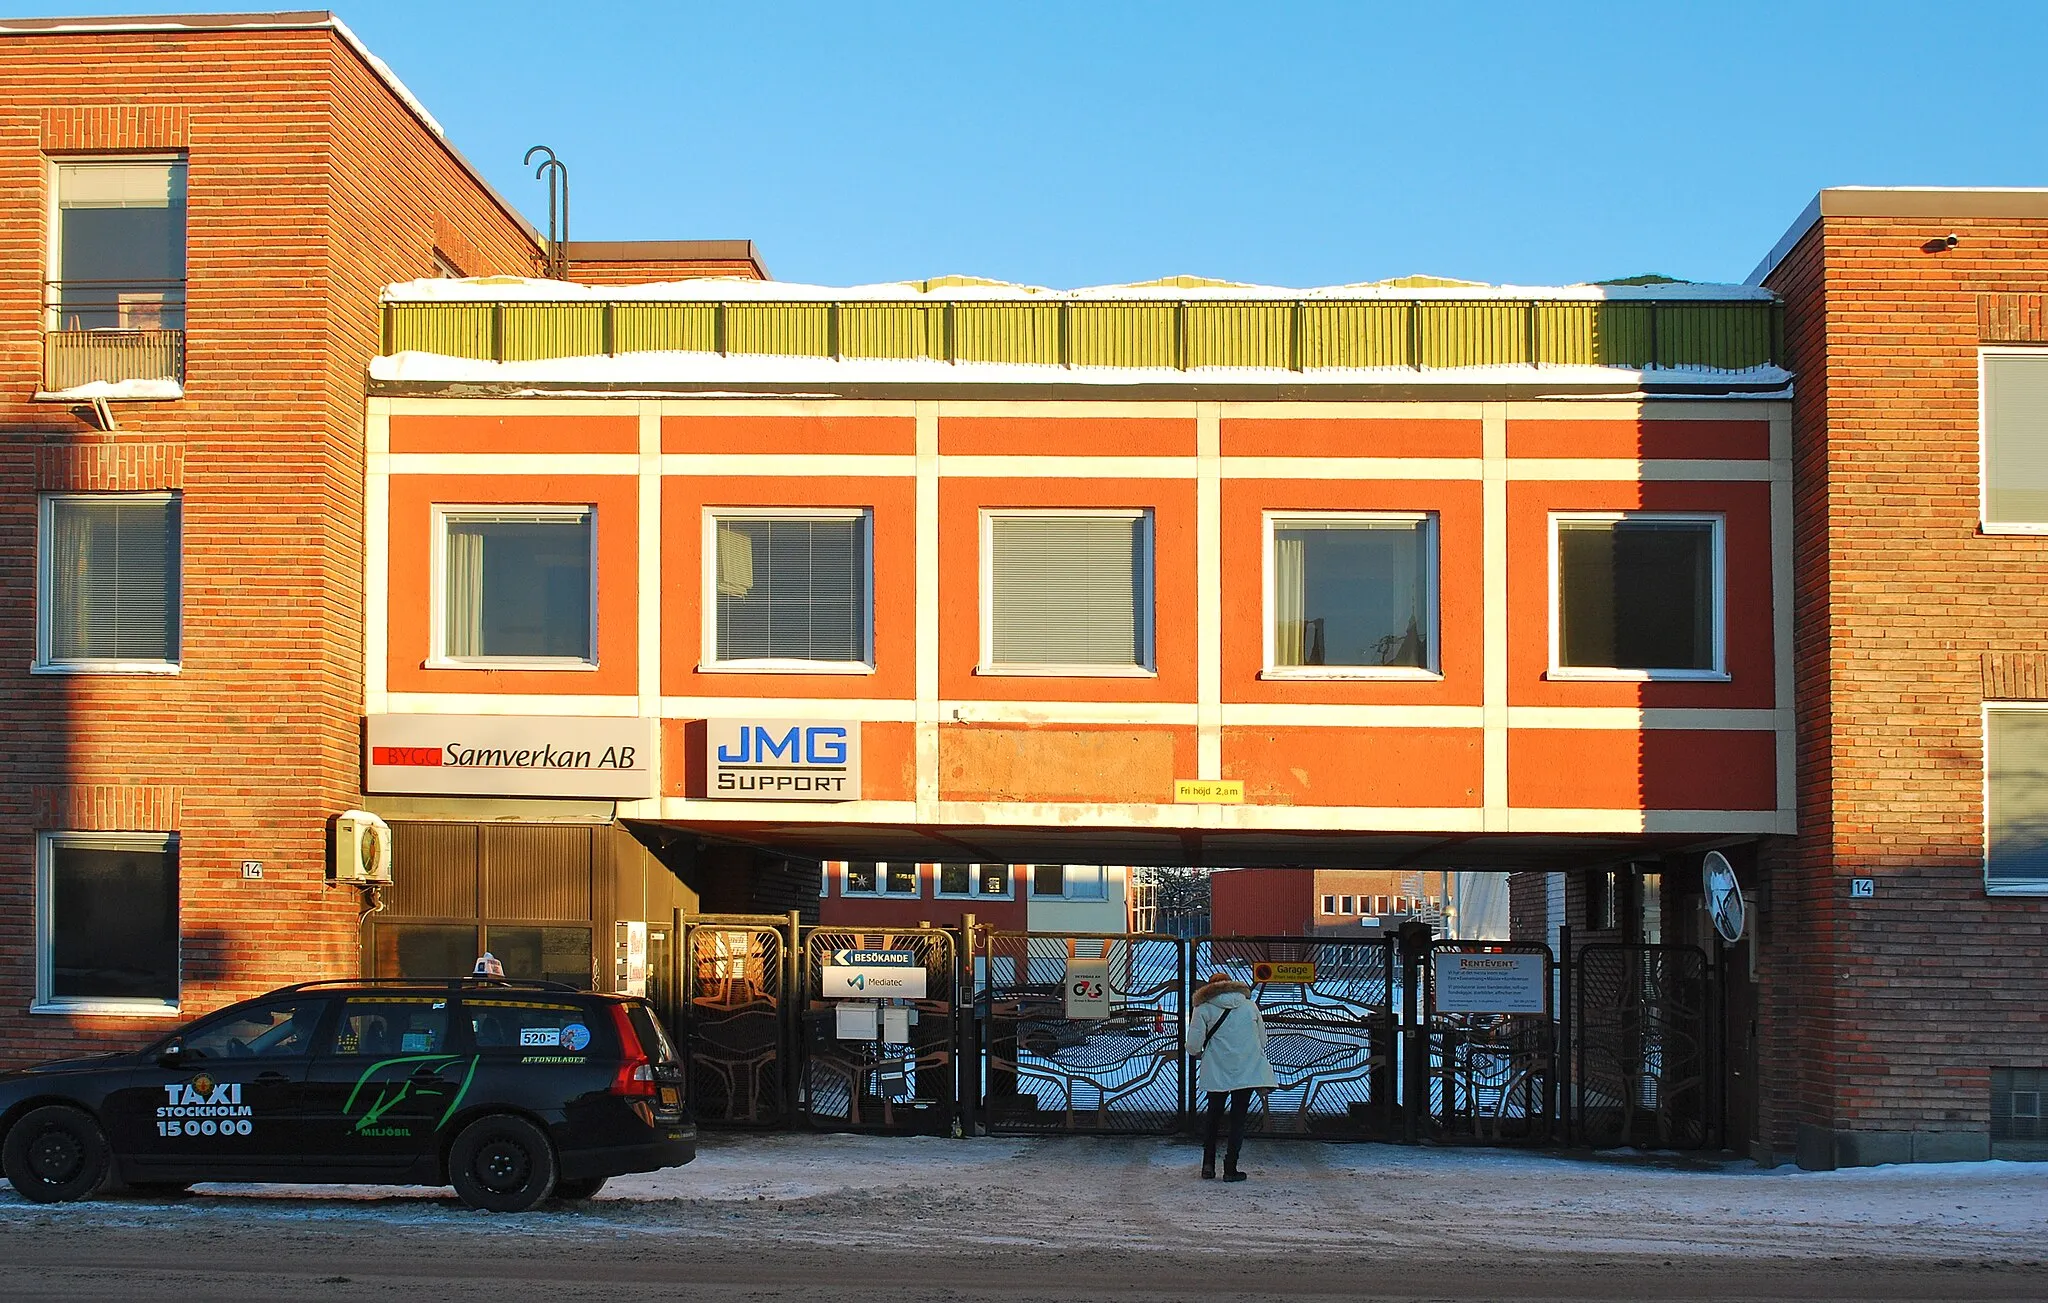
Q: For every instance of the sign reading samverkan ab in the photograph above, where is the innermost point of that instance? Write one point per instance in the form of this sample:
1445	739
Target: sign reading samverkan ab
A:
511	755
782	759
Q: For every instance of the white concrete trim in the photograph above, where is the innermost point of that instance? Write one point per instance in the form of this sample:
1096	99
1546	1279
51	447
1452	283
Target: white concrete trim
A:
1068	468
515	463
1209	592
770	406
1784	685
1669	407
650	585
1351	468
1372	411
1303	715
1621	468
821	465
509	703
376	554
926	653
510	406
1494	605
865	709
1656	717
1057	409
1524	819
1177	714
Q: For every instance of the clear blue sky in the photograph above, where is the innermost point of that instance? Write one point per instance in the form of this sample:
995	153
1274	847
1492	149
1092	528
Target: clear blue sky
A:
1294	144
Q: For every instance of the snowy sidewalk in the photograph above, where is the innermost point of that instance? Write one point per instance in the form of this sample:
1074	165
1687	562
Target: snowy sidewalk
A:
1143	1192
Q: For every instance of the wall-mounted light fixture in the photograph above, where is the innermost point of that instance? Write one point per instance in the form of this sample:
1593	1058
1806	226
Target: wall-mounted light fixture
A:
1942	243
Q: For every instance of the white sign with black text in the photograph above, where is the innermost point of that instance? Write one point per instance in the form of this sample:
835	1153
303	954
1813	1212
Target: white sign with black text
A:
782	759
511	755
1466	982
1087	991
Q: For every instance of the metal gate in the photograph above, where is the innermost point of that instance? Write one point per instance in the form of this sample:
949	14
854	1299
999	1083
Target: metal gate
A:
1646	1064
1045	1072
906	1084
1332	1040
1491	1078
733	1021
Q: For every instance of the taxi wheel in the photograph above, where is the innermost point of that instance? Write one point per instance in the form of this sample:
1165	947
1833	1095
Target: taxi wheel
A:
55	1154
584	1187
502	1164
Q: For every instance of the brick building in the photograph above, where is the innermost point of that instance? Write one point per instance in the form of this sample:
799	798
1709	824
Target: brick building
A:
201	211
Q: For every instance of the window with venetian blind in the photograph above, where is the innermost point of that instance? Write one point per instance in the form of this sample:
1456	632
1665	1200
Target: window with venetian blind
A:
790	590
2015	421
2016	800
1068	591
110	581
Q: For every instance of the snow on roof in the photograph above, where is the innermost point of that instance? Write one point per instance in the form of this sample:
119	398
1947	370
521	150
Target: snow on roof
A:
654	370
517	289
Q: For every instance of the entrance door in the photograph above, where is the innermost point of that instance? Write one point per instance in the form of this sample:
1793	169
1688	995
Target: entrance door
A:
383	1083
229	1104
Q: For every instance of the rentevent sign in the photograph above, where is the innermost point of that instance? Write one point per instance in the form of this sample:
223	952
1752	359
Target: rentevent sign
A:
782	759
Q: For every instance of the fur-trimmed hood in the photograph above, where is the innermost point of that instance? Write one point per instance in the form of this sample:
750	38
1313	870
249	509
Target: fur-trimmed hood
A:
1209	991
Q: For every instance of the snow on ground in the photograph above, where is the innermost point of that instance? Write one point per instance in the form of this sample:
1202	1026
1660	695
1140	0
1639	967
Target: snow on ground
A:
1078	1192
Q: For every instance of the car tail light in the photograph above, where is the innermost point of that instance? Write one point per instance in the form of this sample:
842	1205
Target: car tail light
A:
635	1079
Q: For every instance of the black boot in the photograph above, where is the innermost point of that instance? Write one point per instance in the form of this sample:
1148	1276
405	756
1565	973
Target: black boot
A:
1208	1169
1232	1174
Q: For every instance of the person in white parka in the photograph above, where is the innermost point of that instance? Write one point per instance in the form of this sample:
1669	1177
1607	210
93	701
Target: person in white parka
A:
1228	1035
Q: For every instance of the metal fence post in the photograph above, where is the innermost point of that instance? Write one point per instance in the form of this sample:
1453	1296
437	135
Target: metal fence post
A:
793	997
1414	1042
1565	1107
966	1037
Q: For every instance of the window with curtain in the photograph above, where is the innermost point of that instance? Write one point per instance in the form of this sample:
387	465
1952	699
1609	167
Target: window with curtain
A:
1354	592
118	255
1638	593
791	590
518	585
2016	807
1069	590
111	579
2016	439
109	926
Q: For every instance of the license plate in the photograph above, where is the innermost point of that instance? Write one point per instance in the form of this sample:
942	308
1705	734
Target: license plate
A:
670	1095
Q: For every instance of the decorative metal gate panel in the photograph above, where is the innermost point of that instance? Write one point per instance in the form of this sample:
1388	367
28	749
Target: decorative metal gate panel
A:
1643	1024
1332	1040
734	1018
1492	1076
906	1086
1045	1072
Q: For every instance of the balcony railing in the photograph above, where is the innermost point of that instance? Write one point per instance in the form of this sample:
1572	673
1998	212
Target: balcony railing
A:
112	331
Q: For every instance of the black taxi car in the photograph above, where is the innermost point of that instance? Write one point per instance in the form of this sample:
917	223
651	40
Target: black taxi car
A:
511	1091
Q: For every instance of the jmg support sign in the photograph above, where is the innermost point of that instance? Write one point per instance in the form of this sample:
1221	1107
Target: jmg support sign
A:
782	759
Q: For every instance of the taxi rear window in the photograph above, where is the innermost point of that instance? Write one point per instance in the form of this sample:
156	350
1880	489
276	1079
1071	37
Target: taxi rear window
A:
391	1025
541	1027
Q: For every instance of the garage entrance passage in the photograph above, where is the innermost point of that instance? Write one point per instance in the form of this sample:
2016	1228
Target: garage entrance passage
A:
1390	1039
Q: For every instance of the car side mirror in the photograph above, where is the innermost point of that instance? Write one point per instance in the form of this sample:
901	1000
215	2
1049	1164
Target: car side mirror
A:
171	1055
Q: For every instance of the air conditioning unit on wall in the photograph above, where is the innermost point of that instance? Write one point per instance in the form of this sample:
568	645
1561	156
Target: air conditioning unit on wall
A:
362	849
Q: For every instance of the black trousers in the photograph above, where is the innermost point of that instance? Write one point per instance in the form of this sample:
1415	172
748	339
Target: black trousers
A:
1240	1102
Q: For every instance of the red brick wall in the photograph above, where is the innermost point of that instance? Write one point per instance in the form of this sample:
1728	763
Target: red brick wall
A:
1887	1013
590	272
309	186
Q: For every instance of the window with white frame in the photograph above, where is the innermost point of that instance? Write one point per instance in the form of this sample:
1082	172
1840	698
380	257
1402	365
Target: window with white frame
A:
2016	799
788	589
2013	397
1350	595
1346	905
518	585
1637	595
1329	904
860	878
117	245
1069	881
1067	592
974	880
107	922
110	582
899	878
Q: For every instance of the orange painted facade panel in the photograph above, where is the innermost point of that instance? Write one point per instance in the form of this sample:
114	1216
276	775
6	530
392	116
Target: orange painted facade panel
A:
1460	582
615	500
1747	610
893	540
1642	440
1353	437
961	502
1655	769
515	434
1066	436
1067	763
1432	768
789	435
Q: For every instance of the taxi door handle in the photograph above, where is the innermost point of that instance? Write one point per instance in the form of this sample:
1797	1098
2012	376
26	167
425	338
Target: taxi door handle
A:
426	1074
271	1078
